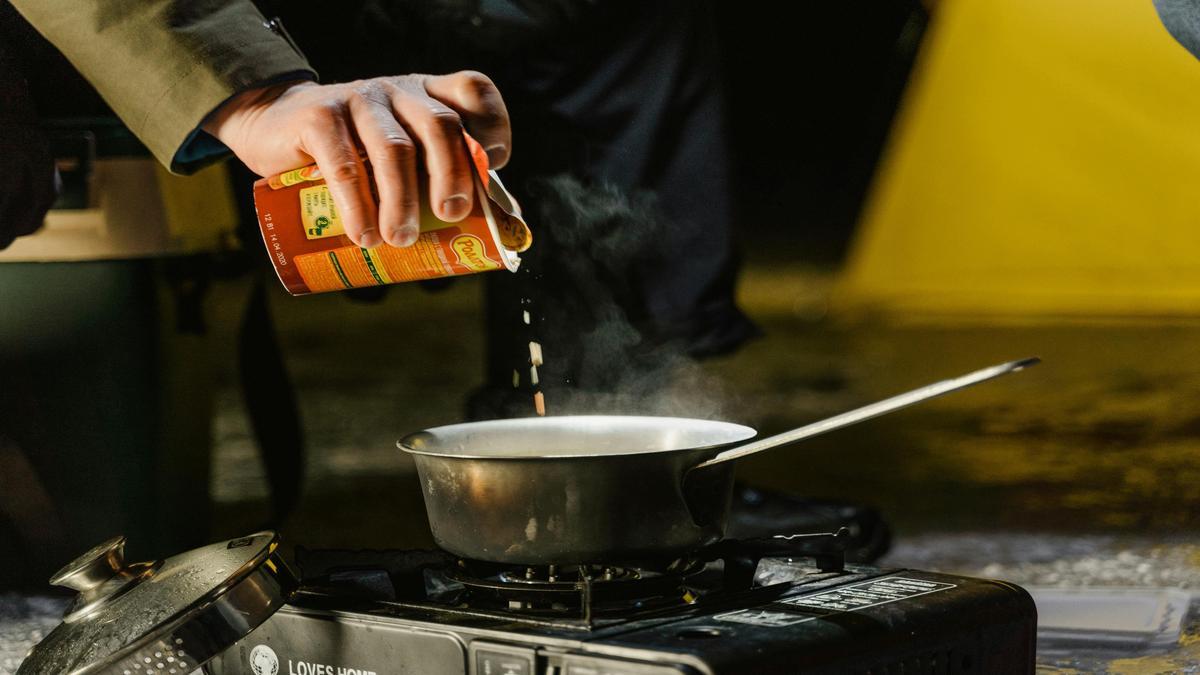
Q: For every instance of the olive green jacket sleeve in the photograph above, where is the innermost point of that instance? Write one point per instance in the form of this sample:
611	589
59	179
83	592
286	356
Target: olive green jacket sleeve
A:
164	65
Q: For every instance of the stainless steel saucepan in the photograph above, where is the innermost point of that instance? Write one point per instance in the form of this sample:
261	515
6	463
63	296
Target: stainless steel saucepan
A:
592	489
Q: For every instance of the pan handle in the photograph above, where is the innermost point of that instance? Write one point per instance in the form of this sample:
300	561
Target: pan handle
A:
869	411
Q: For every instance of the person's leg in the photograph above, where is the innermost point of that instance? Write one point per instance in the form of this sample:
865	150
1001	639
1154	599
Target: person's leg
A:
640	254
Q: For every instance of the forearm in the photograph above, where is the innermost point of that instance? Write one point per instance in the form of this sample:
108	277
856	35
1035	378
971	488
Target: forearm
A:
164	65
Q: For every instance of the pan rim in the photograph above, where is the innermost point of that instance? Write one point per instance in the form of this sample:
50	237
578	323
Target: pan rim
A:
738	433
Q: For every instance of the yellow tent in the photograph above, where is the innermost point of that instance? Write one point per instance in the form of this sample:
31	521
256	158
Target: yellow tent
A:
1046	163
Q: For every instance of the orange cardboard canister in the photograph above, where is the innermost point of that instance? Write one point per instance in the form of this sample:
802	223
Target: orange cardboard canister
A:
307	243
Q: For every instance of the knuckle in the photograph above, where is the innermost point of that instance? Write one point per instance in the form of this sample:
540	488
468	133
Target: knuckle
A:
399	148
493	112
476	82
445	121
369	90
323	114
404	84
408	79
345	171
482	95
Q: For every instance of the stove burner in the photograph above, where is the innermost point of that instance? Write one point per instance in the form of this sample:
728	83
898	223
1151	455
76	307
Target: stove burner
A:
570	596
576	589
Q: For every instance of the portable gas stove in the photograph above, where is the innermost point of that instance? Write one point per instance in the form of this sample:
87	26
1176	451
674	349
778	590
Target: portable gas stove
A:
783	604
779	605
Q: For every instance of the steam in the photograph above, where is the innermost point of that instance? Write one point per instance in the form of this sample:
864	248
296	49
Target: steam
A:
605	350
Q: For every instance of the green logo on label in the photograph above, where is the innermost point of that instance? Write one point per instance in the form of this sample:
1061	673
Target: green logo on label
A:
322	224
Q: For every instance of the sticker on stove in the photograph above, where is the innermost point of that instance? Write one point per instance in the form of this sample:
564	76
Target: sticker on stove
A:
763	617
850	598
264	661
869	594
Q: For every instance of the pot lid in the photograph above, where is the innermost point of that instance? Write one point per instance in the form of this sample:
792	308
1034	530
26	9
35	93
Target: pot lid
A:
161	617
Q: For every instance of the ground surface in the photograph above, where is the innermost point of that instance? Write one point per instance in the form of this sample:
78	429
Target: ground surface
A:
1081	472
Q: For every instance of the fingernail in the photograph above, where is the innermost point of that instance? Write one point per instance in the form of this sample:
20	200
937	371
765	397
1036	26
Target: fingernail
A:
497	155
405	236
369	238
455	207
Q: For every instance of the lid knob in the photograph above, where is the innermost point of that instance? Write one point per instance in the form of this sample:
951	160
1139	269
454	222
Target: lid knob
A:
90	570
100	575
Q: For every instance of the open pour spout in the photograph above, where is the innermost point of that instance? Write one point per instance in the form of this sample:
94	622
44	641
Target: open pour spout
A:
869	411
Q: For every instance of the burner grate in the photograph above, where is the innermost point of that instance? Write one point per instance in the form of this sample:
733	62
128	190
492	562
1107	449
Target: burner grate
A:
576	590
573	596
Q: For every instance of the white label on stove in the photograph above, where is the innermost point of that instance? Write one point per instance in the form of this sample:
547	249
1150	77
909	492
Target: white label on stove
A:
306	668
869	594
850	598
763	617
263	661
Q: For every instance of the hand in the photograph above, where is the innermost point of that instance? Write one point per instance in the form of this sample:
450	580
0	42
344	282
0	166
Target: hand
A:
398	121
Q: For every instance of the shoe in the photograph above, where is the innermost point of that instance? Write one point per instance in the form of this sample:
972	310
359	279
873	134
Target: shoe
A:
764	513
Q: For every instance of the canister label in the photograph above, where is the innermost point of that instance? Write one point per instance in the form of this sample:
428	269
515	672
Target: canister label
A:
318	213
306	238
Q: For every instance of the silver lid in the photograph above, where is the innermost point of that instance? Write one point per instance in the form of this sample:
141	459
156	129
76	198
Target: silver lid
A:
161	617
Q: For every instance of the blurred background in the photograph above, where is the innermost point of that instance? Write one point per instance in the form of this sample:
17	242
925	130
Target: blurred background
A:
919	190
918	194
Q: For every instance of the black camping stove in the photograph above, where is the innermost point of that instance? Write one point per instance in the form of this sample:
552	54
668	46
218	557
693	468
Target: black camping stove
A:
778	605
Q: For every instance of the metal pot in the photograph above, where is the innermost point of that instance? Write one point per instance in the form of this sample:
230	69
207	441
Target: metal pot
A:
591	489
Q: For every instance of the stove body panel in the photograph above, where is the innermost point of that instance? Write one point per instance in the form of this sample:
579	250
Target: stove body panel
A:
860	621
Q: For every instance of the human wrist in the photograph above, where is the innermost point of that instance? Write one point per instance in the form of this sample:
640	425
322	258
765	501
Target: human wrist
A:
227	123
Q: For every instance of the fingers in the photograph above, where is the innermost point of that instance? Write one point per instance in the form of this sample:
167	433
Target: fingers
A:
391	119
438	129
331	144
477	100
393	161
